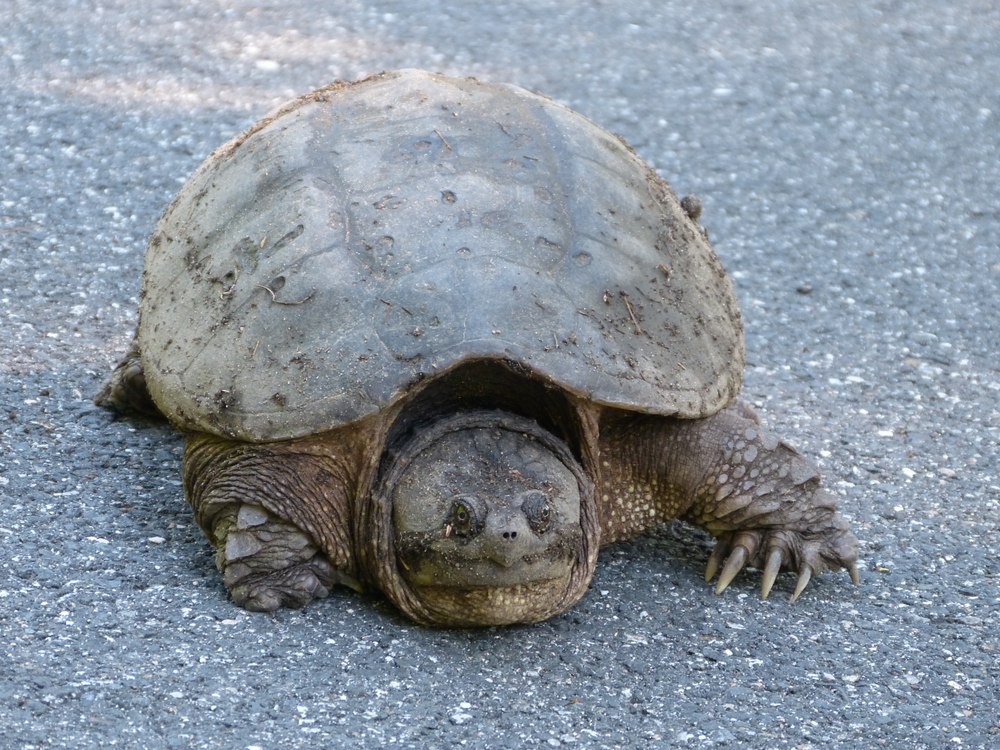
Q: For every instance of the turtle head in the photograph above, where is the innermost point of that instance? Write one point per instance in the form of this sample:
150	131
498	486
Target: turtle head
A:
488	522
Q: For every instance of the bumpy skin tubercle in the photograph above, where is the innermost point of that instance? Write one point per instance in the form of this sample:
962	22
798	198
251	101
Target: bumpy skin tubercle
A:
728	475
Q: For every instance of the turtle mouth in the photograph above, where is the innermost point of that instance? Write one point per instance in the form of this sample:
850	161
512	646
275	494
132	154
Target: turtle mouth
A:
432	559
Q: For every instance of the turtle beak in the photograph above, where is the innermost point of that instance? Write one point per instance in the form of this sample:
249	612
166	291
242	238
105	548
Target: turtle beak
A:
507	538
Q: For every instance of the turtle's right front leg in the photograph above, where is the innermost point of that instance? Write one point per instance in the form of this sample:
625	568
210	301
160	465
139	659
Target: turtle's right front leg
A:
761	499
731	477
277	515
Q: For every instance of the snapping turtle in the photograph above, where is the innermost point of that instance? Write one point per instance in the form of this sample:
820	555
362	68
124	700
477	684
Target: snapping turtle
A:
447	338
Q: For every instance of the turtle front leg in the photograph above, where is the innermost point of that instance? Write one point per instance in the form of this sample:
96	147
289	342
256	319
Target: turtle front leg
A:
267	563
762	500
272	513
756	494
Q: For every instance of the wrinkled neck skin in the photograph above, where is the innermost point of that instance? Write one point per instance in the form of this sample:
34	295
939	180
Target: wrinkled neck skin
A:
484	593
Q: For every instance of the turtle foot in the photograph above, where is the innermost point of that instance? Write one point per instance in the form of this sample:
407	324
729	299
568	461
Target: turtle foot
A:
292	587
805	552
269	563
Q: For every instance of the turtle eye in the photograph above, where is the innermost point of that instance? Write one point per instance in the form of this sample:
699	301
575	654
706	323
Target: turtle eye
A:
538	511
462	520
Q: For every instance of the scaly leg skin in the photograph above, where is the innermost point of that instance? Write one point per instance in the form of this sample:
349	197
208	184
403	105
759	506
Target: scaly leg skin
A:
125	389
763	502
729	476
267	563
276	514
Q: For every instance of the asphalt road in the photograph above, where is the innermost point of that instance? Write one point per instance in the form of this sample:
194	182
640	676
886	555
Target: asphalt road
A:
847	156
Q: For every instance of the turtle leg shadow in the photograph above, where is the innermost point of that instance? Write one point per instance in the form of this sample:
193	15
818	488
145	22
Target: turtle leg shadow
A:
267	563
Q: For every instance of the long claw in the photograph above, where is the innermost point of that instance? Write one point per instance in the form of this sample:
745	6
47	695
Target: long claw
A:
734	565
804	575
853	570
771	570
714	561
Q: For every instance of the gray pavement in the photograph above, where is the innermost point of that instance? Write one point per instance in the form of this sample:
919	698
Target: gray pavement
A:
847	156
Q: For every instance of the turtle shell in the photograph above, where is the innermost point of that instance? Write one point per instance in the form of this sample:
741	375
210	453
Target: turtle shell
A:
370	235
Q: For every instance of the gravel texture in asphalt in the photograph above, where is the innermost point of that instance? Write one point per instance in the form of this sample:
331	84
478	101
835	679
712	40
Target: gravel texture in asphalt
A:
847	157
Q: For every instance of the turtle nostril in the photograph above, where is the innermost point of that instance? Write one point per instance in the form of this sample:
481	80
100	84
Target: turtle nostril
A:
510	535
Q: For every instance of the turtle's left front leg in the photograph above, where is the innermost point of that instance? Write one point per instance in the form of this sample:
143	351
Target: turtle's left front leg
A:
757	495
